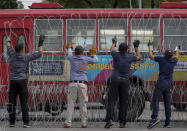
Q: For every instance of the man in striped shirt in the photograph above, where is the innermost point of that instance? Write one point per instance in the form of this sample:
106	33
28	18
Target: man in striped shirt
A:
78	83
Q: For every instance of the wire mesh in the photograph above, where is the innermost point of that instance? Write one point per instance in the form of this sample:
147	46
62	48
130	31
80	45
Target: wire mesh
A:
49	76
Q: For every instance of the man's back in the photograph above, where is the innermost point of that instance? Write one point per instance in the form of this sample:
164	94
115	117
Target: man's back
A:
122	64
18	67
79	66
166	67
19	63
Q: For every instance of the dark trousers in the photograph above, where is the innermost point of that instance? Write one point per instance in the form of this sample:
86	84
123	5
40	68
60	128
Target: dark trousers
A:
119	87
162	89
18	87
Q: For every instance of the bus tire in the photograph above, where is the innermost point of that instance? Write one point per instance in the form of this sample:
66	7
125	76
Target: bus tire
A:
179	106
54	108
136	101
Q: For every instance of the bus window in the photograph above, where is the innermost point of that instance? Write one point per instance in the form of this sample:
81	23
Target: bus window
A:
21	39
5	55
108	28
145	30
81	32
52	29
175	33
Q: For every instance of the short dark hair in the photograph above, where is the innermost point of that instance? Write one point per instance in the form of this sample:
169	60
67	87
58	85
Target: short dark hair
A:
19	47
169	53
78	50
123	48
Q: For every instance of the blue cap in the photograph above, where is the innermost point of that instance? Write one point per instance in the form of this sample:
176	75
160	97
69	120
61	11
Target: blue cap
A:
169	52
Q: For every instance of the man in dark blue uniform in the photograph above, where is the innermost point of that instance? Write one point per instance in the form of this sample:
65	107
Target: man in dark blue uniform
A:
18	79
120	82
164	83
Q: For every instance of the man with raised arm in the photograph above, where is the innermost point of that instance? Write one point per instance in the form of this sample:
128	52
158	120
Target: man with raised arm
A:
78	82
164	84
18	79
120	82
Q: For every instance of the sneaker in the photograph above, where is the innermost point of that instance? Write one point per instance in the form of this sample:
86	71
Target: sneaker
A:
109	124
122	125
26	126
66	126
153	123
166	125
11	125
84	126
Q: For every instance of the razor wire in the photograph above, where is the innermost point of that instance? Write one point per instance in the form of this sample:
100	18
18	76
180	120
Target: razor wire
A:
48	76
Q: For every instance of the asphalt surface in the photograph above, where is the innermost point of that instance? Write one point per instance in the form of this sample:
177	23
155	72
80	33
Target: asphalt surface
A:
98	126
91	129
98	114
44	121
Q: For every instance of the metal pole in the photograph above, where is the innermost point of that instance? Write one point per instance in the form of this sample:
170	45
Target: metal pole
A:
130	4
140	4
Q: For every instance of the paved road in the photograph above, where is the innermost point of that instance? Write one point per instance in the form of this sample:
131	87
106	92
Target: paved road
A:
99	114
98	126
91	129
96	116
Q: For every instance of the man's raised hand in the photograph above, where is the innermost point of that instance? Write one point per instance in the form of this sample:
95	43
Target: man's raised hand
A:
136	43
41	40
114	40
150	46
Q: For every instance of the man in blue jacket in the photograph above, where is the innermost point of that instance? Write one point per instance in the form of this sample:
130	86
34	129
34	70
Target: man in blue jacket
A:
164	83
120	82
18	79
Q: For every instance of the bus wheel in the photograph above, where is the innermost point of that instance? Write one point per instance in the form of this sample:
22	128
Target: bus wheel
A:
179	106
136	103
54	108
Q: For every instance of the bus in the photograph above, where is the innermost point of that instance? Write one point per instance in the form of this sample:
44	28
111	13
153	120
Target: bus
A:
48	77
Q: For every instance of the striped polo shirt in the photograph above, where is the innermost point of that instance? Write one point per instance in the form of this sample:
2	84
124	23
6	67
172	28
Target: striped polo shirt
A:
79	66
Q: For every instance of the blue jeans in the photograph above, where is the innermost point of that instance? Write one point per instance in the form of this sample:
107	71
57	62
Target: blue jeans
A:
162	89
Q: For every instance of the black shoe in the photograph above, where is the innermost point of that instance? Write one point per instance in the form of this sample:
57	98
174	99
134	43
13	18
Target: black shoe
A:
109	124
26	125
122	125
11	125
166	125
153	123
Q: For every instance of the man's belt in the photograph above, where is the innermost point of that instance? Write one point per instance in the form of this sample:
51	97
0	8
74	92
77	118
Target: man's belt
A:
122	78
75	81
